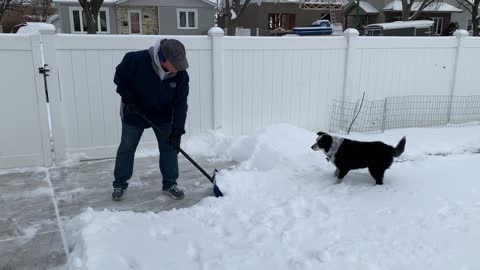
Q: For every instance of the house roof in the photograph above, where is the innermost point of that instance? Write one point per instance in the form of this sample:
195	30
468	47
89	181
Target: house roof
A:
76	1
396	5
258	2
210	2
364	5
368	8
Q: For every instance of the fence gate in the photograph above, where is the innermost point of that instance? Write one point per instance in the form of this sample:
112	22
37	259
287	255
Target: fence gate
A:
24	130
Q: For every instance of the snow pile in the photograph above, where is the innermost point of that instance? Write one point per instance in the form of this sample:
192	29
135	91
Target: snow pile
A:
281	210
275	146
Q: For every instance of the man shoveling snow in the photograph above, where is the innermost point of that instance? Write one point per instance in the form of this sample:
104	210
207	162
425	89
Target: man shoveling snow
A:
153	83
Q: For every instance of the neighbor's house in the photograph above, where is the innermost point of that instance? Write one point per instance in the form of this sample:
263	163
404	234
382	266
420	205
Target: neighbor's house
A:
379	11
148	17
270	15
464	19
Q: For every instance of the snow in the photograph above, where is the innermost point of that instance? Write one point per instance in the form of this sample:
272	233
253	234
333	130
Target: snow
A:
282	210
368	8
404	24
396	5
234	15
33	27
216	31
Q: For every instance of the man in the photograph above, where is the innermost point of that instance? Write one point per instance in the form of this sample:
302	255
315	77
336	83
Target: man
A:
153	84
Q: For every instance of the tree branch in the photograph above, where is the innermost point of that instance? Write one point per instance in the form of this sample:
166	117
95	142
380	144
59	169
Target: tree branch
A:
467	5
425	4
4	5
245	5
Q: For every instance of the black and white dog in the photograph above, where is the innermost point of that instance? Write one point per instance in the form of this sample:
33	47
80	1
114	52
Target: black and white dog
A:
349	155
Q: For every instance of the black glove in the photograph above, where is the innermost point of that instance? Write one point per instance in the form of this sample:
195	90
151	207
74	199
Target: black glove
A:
175	138
131	108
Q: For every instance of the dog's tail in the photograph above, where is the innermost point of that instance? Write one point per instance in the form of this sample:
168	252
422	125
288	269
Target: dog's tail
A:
398	150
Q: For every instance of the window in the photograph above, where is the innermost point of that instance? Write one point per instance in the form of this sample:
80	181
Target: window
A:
78	23
284	21
135	21
187	19
438	25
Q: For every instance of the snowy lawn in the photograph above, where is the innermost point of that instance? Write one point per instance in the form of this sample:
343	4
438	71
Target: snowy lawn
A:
282	210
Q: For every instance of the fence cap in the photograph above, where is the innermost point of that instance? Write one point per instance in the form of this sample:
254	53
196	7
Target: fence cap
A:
34	27
351	32
461	33
216	31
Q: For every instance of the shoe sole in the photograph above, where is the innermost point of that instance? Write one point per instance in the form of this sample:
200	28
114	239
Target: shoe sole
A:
173	197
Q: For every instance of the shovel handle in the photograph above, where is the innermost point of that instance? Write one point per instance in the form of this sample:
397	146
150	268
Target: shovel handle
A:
195	164
179	149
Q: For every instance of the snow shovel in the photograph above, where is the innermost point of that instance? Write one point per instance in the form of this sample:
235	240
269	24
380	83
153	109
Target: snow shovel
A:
216	189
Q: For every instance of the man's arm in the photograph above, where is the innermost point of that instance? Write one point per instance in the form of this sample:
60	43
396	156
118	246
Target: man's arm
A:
180	106
123	78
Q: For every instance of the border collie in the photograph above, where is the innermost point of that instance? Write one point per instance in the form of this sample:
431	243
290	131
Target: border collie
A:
349	155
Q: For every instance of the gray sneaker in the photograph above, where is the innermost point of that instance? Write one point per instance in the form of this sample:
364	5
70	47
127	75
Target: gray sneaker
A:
175	193
119	194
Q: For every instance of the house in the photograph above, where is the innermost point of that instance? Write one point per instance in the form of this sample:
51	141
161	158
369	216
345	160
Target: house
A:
464	19
379	11
270	15
147	17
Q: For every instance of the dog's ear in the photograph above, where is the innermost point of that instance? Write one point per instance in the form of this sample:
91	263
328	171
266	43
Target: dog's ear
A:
320	133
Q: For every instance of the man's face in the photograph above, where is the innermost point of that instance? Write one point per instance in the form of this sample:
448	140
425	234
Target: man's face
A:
167	65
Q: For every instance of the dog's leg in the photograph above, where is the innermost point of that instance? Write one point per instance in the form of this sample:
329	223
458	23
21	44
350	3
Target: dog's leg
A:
341	175
336	173
377	175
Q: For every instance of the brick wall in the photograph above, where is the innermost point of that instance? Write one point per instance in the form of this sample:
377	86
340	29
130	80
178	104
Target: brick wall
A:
149	17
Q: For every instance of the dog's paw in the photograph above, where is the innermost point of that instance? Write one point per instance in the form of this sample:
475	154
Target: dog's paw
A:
339	181
336	173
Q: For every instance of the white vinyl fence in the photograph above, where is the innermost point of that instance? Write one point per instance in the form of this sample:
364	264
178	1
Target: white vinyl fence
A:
88	105
24	132
237	84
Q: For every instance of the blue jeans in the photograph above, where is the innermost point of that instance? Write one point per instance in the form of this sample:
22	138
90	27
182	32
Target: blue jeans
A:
126	152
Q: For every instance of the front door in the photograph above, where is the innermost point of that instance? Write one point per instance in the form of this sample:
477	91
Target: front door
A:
135	22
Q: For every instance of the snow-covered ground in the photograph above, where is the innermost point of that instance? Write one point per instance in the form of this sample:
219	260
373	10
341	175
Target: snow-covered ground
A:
282	210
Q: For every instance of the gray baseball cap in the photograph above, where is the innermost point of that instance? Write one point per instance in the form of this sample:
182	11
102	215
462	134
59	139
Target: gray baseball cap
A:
174	52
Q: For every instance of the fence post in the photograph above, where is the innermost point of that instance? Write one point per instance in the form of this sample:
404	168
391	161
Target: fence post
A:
48	38
350	34
216	34
37	61
460	35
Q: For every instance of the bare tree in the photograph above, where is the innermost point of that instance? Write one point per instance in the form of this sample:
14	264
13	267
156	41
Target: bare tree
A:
4	5
232	11
46	9
472	7
39	9
91	9
409	6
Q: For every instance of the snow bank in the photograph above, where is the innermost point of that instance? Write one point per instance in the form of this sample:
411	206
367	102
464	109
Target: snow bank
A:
282	211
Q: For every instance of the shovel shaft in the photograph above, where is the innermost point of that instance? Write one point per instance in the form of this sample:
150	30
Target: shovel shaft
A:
180	149
195	164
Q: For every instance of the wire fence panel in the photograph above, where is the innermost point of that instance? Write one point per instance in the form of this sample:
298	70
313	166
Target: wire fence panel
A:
370	116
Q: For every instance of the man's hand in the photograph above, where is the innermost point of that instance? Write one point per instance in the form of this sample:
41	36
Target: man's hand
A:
175	139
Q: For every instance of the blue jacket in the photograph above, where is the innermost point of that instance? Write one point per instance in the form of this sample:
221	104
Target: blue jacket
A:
161	101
